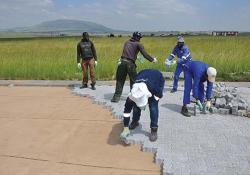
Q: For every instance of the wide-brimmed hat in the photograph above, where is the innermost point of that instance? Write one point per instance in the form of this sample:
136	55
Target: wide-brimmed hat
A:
140	94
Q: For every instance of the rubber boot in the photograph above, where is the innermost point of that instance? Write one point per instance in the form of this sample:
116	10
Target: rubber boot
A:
93	87
84	86
115	99
185	112
153	135
133	125
173	90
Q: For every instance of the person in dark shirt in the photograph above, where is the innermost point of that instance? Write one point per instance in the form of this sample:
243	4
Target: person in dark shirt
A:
147	89
86	59
127	65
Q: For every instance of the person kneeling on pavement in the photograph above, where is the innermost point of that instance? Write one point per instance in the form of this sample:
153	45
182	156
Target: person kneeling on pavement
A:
200	72
147	89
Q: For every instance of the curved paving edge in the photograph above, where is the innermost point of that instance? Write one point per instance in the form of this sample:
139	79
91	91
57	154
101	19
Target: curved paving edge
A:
204	144
117	109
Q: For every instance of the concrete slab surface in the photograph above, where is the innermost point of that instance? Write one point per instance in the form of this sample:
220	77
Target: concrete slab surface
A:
50	131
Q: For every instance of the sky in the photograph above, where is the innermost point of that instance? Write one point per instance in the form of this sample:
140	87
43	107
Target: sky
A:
142	15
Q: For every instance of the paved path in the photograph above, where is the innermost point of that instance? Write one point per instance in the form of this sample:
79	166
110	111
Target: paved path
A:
50	131
200	145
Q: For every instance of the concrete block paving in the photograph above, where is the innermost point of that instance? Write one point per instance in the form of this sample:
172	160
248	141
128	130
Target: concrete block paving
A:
205	144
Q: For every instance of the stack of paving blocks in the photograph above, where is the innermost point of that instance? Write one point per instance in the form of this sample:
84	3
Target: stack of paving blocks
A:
228	101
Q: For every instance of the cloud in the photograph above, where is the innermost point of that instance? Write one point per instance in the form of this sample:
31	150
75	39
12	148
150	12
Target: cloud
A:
16	13
126	14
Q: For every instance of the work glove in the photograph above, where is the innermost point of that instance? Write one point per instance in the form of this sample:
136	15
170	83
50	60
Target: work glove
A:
208	105
179	61
141	59
198	103
95	63
125	133
168	63
155	60
156	98
119	62
79	65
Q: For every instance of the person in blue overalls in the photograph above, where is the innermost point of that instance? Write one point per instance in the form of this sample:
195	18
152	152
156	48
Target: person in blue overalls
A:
147	89
199	72
184	56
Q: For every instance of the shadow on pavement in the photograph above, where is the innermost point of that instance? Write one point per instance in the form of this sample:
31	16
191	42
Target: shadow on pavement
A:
108	96
114	135
172	107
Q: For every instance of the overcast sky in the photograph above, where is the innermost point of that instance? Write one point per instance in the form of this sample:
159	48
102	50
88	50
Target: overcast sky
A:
143	15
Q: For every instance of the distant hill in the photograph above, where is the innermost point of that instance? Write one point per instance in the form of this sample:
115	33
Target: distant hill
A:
64	25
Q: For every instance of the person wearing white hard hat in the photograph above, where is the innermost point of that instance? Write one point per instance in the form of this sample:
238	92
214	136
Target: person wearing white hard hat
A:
183	57
199	72
147	89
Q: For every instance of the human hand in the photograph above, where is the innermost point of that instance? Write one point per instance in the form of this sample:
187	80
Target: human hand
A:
79	65
208	104
168	63
198	103
155	60
179	61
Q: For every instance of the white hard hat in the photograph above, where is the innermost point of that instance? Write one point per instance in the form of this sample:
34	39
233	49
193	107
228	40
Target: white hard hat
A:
211	73
140	94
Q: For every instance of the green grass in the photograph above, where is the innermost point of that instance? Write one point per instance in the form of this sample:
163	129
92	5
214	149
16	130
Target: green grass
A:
55	58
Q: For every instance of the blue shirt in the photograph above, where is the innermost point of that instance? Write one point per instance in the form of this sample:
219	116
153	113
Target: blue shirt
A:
183	54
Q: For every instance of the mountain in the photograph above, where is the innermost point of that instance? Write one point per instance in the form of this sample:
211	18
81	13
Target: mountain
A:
65	25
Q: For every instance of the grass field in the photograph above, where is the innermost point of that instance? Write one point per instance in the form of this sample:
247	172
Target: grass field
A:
55	58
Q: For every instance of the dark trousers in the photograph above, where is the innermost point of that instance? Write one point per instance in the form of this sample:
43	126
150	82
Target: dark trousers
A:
153	109
123	69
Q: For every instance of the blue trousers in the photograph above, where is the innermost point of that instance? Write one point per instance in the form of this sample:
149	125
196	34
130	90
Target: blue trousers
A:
188	87
178	70
154	112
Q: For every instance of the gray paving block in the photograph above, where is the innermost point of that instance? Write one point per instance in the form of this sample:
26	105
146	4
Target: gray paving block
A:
223	111
200	145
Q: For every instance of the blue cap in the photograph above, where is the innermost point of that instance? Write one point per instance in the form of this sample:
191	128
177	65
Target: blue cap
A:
180	39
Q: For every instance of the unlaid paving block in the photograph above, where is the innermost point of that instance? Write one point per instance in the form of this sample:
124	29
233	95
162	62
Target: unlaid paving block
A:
223	111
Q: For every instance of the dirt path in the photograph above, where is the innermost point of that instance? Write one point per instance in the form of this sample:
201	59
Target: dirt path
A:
49	131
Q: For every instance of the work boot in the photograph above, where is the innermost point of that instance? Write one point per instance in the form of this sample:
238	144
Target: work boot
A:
133	125
115	99
185	112
125	133
93	87
173	90
84	86
153	135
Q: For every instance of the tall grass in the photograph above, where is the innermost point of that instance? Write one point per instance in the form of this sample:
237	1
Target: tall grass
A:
55	58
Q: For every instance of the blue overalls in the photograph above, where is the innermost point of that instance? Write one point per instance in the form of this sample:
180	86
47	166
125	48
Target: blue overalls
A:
196	71
184	56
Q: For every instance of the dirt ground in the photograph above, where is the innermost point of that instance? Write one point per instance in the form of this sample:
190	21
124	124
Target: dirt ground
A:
49	131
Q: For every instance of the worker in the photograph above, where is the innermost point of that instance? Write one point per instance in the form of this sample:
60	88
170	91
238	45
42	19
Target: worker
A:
127	63
184	56
87	59
147	89
199	72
